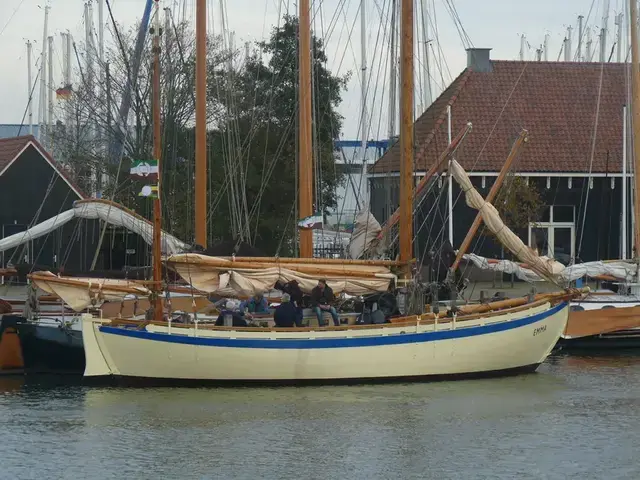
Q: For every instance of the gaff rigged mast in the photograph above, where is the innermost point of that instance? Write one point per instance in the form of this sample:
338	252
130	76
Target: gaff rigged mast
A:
157	153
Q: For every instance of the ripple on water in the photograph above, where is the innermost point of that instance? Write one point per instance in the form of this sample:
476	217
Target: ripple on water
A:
578	418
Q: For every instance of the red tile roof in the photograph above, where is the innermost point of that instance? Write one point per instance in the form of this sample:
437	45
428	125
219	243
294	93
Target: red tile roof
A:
555	101
10	147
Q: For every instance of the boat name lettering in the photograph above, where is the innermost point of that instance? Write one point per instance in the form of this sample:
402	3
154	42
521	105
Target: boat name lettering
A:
539	330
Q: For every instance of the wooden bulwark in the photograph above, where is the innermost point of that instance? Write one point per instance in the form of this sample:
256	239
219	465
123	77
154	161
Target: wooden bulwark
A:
410	321
587	323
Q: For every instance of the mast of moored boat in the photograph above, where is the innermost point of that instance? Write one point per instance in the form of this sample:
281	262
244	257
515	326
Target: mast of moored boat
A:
201	125
157	153
635	105
305	158
406	132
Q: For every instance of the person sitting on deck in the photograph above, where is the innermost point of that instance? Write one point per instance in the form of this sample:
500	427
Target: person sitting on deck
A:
236	318
321	300
294	291
256	304
286	314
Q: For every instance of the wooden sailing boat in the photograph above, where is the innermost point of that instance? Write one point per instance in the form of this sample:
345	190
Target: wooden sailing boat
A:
499	338
604	320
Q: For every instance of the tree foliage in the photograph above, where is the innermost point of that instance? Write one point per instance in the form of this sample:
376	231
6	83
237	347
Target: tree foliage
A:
252	124
519	202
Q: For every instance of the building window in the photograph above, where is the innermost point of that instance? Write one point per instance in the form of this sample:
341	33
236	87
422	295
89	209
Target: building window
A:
554	236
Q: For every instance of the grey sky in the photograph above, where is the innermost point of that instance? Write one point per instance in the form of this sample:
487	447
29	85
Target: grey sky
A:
492	23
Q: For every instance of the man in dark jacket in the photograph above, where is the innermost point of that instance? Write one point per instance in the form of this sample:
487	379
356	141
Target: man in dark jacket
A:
321	300
286	314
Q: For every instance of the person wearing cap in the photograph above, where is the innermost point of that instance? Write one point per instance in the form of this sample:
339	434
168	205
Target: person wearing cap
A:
286	314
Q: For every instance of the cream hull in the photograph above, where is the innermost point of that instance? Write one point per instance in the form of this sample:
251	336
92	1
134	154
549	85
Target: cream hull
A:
495	344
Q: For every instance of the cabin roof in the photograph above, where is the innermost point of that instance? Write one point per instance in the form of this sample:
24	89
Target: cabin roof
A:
12	148
557	102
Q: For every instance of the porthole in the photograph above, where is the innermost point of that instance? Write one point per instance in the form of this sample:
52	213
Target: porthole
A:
576	308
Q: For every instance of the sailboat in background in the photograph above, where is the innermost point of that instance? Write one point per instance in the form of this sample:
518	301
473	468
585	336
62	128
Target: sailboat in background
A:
492	339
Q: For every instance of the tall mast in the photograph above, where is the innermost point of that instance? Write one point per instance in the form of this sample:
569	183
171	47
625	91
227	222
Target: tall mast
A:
29	88
157	153
428	96
42	101
393	63
49	117
635	104
201	125
406	131
305	190
625	117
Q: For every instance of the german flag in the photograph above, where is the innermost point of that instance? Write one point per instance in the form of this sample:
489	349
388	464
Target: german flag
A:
64	93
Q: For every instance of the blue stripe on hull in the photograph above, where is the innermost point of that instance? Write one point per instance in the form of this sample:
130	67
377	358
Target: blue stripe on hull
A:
304	343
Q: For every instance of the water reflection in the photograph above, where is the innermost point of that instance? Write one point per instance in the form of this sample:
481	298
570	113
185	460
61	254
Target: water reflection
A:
11	384
579	417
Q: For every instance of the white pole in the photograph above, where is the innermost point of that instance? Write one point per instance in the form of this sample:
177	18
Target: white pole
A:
580	33
604	31
428	95
546	47
393	63
567	45
67	75
167	29
363	122
624	183
619	40
522	46
101	101
29	88
363	66
588	45
50	90
90	52
450	192
42	100
68	47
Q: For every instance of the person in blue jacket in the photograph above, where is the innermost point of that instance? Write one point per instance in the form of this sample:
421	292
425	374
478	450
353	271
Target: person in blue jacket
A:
256	304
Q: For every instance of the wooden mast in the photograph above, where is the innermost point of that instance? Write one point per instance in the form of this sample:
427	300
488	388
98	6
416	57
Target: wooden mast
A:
635	104
157	153
490	197
406	132
305	189
201	124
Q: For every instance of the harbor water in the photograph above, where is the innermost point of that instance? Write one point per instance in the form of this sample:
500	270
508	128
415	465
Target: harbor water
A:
578	417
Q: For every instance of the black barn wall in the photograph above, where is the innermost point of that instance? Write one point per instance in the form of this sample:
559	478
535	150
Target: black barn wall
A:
31	191
601	234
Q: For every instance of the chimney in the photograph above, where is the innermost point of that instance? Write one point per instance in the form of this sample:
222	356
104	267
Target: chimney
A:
479	60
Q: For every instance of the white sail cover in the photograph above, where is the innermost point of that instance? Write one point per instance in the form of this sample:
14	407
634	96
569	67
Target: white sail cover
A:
220	276
623	270
365	230
92	210
81	293
543	266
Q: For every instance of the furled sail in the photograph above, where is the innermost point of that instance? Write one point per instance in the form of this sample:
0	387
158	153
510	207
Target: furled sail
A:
365	230
104	210
620	269
543	266
230	277
81	293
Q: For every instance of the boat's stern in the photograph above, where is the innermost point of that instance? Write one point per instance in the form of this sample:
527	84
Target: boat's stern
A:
97	362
